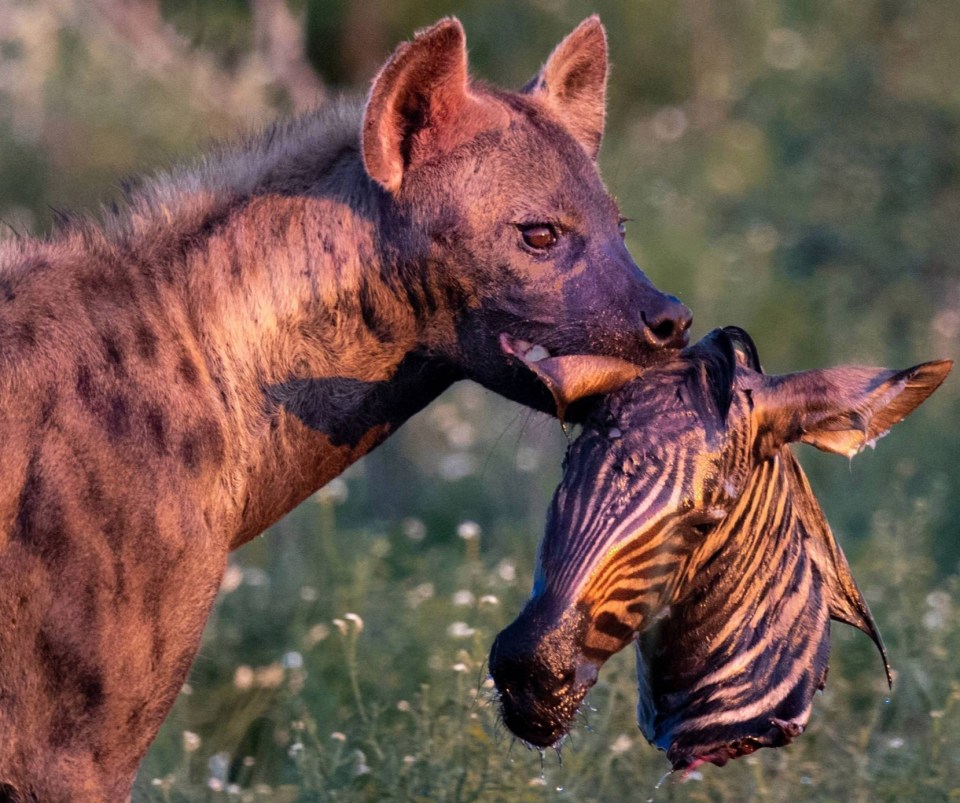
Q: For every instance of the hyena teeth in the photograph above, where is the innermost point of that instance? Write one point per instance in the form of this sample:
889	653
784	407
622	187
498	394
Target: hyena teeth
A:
536	353
522	349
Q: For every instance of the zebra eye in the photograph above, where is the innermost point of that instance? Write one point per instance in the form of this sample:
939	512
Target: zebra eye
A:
705	522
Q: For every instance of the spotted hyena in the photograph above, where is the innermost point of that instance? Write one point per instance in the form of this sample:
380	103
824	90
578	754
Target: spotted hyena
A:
177	378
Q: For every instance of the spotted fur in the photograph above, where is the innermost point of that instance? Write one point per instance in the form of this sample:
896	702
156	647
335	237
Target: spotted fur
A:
177	378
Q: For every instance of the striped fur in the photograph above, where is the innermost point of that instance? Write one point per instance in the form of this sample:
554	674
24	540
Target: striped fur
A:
684	523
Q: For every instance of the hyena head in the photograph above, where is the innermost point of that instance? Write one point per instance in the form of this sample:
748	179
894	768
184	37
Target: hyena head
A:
680	502
504	219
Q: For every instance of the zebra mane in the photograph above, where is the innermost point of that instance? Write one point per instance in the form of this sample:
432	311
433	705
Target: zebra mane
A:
710	377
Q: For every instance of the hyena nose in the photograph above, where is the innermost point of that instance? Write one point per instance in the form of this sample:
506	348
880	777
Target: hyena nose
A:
668	324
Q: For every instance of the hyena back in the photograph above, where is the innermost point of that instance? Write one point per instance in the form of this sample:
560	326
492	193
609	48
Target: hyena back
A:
176	380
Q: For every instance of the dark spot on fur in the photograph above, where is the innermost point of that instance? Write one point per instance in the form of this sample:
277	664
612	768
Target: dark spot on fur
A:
110	409
158	646
48	404
106	285
76	683
204	443
117	419
115	530
25	333
189	453
6	290
188	371
153	418
113	351
40	525
146	342
85	385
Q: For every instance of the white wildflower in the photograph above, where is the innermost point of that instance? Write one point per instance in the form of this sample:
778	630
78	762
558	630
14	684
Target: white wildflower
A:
269	677
316	634
414	529
464	598
232	578
460	630
334	492
420	594
255	577
468	530
243	677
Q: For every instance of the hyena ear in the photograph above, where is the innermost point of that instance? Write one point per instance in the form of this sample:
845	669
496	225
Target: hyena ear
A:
573	83
578	376
418	104
841	410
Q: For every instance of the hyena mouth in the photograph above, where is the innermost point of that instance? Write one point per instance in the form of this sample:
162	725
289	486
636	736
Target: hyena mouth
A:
522	349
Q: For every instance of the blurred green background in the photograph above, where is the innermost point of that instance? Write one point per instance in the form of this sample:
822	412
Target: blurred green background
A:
790	167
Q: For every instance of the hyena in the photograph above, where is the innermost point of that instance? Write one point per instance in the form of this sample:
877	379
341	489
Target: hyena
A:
174	380
685	525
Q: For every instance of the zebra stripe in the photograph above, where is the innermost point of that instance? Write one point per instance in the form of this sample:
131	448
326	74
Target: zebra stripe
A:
736	663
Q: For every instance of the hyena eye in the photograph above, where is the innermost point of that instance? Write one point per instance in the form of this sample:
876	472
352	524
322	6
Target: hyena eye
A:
539	236
622	227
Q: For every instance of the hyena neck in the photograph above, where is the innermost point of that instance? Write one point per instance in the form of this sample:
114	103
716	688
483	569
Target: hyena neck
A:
313	331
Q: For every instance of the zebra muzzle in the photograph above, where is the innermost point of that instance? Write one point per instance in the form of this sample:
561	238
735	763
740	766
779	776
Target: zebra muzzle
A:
541	674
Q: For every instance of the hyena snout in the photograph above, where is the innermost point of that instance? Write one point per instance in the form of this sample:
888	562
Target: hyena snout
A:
667	323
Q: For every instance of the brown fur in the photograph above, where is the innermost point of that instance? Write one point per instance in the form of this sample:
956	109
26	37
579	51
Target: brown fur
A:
175	380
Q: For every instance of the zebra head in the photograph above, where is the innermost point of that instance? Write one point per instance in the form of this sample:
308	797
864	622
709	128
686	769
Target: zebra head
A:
684	524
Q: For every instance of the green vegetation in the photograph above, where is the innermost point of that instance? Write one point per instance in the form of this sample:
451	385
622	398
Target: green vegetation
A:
792	167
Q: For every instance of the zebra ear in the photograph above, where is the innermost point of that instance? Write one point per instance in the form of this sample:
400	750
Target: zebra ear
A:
841	410
578	376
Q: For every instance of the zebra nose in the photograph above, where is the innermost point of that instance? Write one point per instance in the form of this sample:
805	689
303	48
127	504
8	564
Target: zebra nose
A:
541	678
668	324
